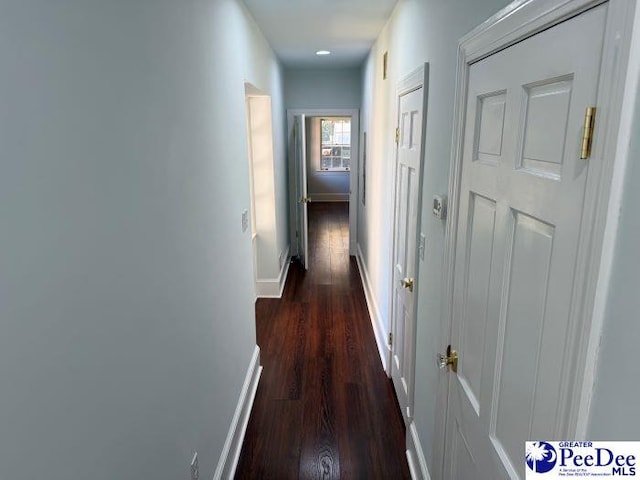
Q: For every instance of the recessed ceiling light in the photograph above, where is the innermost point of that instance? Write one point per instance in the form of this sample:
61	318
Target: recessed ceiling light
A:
323	52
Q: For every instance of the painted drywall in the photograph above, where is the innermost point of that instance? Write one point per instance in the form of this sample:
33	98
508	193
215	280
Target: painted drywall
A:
126	286
614	408
322	88
322	185
419	31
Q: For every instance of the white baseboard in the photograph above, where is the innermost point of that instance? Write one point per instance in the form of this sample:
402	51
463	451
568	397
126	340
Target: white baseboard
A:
273	287
329	197
415	455
374	312
233	445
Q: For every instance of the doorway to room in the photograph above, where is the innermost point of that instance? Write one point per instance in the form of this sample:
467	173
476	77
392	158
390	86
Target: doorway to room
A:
323	146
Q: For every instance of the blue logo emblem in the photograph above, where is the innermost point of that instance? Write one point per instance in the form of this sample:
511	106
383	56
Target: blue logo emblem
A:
541	457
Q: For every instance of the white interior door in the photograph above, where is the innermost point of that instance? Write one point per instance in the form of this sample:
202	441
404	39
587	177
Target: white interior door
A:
301	189
404	247
522	191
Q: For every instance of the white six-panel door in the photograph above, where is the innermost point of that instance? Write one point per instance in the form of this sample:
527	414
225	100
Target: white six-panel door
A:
521	194
404	247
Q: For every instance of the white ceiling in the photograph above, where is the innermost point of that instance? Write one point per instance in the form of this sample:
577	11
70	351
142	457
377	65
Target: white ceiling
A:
296	29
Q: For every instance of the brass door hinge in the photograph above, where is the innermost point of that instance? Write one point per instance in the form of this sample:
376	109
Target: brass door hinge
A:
397	135
587	132
390	338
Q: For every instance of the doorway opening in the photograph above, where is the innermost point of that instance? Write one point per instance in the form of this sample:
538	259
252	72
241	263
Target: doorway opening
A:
328	157
323	172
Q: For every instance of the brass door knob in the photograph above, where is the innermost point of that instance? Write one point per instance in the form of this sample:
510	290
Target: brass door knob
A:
450	359
407	283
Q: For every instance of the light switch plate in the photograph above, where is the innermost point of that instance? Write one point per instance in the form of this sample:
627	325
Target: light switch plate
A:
440	206
245	220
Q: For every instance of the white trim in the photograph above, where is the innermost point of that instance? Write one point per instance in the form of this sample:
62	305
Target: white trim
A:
519	20
419	470
329	197
254	253
374	313
412	81
354	113
233	445
273	287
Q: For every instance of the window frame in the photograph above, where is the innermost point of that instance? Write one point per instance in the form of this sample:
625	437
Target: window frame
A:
338	150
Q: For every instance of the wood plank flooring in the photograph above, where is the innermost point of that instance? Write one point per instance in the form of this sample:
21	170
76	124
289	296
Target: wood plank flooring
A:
324	408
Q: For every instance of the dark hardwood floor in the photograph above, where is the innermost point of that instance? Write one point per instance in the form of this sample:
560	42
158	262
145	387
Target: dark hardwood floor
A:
324	408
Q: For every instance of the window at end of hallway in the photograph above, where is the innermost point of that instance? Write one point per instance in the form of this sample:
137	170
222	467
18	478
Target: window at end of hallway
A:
335	145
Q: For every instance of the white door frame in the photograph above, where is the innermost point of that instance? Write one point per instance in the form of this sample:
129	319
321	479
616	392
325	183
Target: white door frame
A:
258	107
418	78
516	22
354	114
301	189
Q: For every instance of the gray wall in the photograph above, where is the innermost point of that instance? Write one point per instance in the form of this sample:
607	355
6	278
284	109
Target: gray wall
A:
126	286
322	88
614	411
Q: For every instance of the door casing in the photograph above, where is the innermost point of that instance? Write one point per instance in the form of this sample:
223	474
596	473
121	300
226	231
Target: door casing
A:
263	216
354	114
301	192
516	22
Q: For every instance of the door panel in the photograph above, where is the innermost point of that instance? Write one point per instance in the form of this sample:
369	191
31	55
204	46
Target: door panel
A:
522	189
405	246
490	127
517	367
546	113
465	466
473	324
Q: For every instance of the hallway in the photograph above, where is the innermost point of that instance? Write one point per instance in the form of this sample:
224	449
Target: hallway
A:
324	406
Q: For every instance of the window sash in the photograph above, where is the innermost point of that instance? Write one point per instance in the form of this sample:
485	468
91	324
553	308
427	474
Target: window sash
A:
335	145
